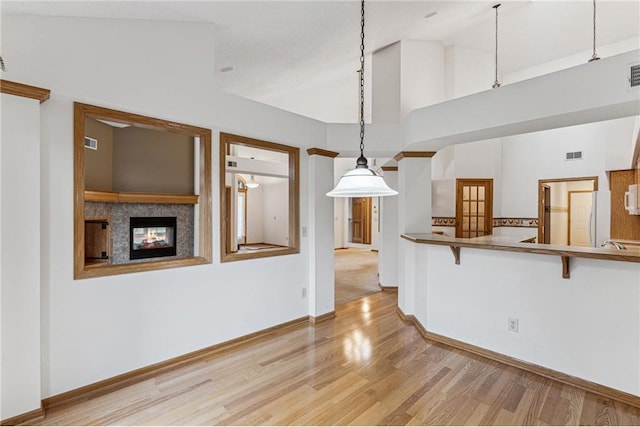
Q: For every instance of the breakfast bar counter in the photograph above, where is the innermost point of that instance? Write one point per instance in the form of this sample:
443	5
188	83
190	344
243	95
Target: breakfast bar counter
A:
511	244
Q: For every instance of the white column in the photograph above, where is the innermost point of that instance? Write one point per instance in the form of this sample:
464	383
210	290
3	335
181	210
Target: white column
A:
414	216
321	233
389	235
20	256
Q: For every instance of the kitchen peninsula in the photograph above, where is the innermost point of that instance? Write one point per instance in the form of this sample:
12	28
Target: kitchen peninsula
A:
508	300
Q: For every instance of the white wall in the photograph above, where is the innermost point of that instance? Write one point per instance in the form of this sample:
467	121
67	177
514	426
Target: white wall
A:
20	255
422	66
255	215
95	329
468	71
556	316
541	155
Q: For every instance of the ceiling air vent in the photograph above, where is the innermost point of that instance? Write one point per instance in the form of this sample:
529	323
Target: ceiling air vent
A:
574	155
90	143
634	75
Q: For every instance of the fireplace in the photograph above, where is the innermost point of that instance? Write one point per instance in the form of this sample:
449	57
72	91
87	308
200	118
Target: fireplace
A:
152	237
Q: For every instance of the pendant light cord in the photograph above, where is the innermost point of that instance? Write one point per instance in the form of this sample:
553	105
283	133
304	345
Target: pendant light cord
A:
362	85
496	83
594	57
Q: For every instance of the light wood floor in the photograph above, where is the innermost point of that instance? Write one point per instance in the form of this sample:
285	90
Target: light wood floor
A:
356	274
364	367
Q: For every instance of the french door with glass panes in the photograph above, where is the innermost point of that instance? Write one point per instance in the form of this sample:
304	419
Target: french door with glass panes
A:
474	207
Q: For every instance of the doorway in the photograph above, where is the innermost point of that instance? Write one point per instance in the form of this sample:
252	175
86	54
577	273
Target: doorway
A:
580	204
546	216
361	220
567	211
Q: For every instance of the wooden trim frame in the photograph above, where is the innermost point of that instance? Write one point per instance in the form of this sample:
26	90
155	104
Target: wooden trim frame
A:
406	154
26	91
124	197
322	318
226	139
552	374
84	111
321	152
389	168
541	183
28	418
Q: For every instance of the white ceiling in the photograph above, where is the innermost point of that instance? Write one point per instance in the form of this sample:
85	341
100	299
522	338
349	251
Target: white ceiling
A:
277	47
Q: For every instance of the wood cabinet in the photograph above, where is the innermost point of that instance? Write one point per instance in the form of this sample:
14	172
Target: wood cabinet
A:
96	241
623	225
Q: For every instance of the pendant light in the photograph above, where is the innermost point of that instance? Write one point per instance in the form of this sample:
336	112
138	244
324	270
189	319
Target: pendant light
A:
496	84
252	183
361	181
594	57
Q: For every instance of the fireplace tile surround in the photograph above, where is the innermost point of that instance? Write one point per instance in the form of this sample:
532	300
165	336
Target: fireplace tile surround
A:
120	213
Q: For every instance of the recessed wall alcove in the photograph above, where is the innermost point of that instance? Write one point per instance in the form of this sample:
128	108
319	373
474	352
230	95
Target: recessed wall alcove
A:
128	166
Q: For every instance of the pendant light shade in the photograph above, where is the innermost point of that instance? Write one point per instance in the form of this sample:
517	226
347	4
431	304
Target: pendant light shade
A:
361	181
252	183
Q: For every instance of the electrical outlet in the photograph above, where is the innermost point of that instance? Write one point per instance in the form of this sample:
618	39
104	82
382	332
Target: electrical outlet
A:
304	292
513	324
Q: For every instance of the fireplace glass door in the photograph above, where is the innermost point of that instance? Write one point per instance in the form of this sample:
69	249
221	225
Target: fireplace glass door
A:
152	237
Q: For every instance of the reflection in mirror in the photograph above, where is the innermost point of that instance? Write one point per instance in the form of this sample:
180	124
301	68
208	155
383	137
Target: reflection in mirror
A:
259	198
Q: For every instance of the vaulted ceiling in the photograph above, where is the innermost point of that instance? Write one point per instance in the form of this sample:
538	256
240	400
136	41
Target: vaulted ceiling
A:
279	47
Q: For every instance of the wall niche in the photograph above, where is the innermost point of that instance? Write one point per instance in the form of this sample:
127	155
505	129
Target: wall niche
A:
128	166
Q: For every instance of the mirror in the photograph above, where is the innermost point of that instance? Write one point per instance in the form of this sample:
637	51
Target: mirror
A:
142	193
259	198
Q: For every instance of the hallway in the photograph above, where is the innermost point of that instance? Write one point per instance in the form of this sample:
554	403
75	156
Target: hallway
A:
356	274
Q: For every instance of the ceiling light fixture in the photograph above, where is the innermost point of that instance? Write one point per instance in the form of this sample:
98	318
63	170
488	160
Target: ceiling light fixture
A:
496	84
361	181
594	57
252	183
2	67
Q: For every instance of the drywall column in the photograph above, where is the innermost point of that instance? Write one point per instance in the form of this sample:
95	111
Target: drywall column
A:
414	216
389	235
406	75
20	255
321	233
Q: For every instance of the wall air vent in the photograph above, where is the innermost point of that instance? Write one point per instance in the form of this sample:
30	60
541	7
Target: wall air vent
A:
90	143
573	155
634	75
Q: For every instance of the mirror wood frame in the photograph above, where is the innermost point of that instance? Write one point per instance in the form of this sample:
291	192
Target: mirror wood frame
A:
294	197
84	111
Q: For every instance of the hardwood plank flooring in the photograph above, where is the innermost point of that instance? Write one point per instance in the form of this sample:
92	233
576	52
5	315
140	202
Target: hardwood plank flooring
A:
365	367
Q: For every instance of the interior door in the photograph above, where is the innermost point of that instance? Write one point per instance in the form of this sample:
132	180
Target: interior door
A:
474	207
579	211
361	220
